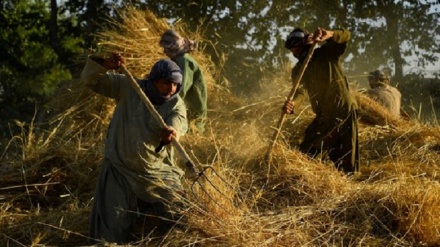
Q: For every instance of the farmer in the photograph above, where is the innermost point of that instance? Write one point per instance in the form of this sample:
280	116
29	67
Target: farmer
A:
194	91
382	92
333	133
134	178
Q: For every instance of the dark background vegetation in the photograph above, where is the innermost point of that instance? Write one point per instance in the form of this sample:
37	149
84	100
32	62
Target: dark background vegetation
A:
41	41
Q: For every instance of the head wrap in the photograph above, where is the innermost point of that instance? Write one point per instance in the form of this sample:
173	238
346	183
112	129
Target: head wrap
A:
175	45
166	69
296	38
162	69
378	78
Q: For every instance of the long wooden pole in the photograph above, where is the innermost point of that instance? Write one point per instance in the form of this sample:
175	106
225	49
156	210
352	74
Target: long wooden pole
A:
289	97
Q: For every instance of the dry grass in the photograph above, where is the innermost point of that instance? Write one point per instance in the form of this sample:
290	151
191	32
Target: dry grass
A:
48	176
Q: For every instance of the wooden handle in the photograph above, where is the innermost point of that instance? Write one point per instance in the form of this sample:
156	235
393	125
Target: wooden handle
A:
289	97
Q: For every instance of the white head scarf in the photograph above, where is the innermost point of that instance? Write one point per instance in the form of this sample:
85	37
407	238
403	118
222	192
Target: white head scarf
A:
175	45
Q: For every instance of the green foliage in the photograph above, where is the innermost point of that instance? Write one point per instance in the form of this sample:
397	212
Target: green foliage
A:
394	33
30	69
251	33
38	49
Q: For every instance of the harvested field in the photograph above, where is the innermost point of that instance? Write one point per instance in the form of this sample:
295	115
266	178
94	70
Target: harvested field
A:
49	175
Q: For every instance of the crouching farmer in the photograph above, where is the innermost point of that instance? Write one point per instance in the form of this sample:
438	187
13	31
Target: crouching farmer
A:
134	178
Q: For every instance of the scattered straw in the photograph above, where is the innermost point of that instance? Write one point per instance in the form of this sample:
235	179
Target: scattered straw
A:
48	175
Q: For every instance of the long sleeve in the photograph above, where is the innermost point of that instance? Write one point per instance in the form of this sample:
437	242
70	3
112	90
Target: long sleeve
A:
336	46
194	91
99	80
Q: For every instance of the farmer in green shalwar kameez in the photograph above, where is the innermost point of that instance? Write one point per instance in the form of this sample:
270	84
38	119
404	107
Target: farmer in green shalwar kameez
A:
333	132
133	176
194	91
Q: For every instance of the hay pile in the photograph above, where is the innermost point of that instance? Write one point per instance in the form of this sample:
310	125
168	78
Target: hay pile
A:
48	178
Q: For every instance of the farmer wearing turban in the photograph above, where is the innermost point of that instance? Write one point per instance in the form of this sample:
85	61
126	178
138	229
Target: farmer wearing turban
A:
382	92
333	132
133	177
194	90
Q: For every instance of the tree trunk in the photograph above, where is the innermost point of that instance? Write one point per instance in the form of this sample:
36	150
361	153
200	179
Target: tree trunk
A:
92	15
392	14
398	63
53	28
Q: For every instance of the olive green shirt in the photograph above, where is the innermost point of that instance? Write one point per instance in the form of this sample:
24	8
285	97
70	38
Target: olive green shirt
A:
326	86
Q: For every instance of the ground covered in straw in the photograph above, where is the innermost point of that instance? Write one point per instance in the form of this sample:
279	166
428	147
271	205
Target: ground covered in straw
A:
49	172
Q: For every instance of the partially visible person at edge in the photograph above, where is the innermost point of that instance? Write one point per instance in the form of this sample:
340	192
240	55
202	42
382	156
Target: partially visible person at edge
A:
133	178
333	132
194	90
382	92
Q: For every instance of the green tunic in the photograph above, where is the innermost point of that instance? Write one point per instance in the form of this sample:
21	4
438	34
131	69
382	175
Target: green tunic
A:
131	168
194	91
333	132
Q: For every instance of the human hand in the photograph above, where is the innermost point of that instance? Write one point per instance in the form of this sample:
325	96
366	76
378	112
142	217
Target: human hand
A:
114	61
322	34
288	107
167	134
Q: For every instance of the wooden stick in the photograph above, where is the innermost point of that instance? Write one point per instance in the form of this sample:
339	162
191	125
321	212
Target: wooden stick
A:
289	97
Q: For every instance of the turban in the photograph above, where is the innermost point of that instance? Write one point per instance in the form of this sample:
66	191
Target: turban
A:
166	69
296	38
176	45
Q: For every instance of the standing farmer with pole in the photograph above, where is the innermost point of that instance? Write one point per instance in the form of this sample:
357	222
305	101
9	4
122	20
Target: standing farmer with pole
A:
333	132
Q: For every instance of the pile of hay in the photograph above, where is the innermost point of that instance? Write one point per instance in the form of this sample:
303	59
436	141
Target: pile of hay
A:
48	178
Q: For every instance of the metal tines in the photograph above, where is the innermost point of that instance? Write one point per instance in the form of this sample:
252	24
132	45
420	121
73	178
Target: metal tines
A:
210	188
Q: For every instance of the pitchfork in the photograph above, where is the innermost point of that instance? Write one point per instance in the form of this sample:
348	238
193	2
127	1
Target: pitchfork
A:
195	174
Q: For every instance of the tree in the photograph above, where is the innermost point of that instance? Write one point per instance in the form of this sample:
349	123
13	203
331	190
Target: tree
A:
40	38
385	32
391	33
30	67
89	16
244	31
